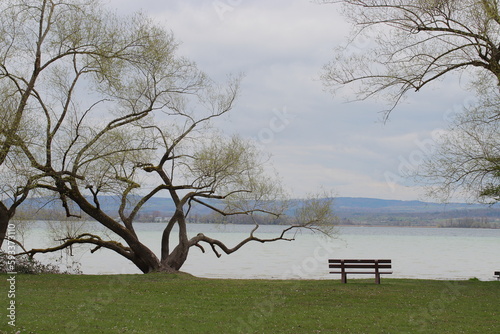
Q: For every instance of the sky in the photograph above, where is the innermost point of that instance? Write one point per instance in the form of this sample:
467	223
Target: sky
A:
317	141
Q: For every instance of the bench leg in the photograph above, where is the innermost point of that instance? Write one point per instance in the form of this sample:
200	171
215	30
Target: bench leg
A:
344	278
377	278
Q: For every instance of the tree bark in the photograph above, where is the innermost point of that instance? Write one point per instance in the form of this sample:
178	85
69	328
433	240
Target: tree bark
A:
5	216
173	261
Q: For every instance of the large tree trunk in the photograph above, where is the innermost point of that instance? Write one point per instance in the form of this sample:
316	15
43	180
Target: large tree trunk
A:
5	216
173	261
145	260
177	258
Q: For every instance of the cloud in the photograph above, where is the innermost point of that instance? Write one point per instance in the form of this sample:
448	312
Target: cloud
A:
314	177
254	34
315	139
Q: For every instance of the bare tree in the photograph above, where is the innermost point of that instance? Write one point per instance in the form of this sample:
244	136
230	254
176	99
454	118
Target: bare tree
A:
413	43
119	113
195	167
466	159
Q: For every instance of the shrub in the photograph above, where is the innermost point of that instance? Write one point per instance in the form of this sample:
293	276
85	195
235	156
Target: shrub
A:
23	264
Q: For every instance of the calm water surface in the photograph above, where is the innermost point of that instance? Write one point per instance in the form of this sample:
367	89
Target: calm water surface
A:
428	253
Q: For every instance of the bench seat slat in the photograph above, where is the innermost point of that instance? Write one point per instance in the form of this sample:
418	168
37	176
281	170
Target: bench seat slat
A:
367	266
362	272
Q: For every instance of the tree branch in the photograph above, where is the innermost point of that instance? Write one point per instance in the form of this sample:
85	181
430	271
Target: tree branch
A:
214	242
85	238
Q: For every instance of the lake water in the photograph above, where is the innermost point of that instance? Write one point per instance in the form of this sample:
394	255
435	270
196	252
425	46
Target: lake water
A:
427	253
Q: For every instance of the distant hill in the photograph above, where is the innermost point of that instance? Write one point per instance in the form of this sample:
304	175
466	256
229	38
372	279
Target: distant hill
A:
399	206
351	210
373	211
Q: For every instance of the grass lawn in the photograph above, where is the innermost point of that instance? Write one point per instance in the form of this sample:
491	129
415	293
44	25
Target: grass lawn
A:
159	303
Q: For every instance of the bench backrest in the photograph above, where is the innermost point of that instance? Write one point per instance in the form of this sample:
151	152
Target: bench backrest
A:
359	264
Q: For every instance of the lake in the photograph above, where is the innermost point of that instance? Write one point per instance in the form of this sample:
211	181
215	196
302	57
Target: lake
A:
427	253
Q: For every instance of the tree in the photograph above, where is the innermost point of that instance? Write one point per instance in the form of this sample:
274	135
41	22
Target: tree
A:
119	113
466	158
415	42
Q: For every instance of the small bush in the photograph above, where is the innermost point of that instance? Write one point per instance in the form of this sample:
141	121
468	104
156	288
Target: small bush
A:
23	264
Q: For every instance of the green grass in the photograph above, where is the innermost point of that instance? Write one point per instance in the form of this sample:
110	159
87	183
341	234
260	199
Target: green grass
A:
160	303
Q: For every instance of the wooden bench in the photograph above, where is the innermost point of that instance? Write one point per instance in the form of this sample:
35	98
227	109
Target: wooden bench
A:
360	267
497	275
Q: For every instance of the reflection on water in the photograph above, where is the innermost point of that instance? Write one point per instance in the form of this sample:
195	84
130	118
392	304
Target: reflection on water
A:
428	253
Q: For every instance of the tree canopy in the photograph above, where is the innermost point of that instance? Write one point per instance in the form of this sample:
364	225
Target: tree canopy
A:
466	158
413	43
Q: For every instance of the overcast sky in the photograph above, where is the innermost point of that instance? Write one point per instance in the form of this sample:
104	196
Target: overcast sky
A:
317	140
